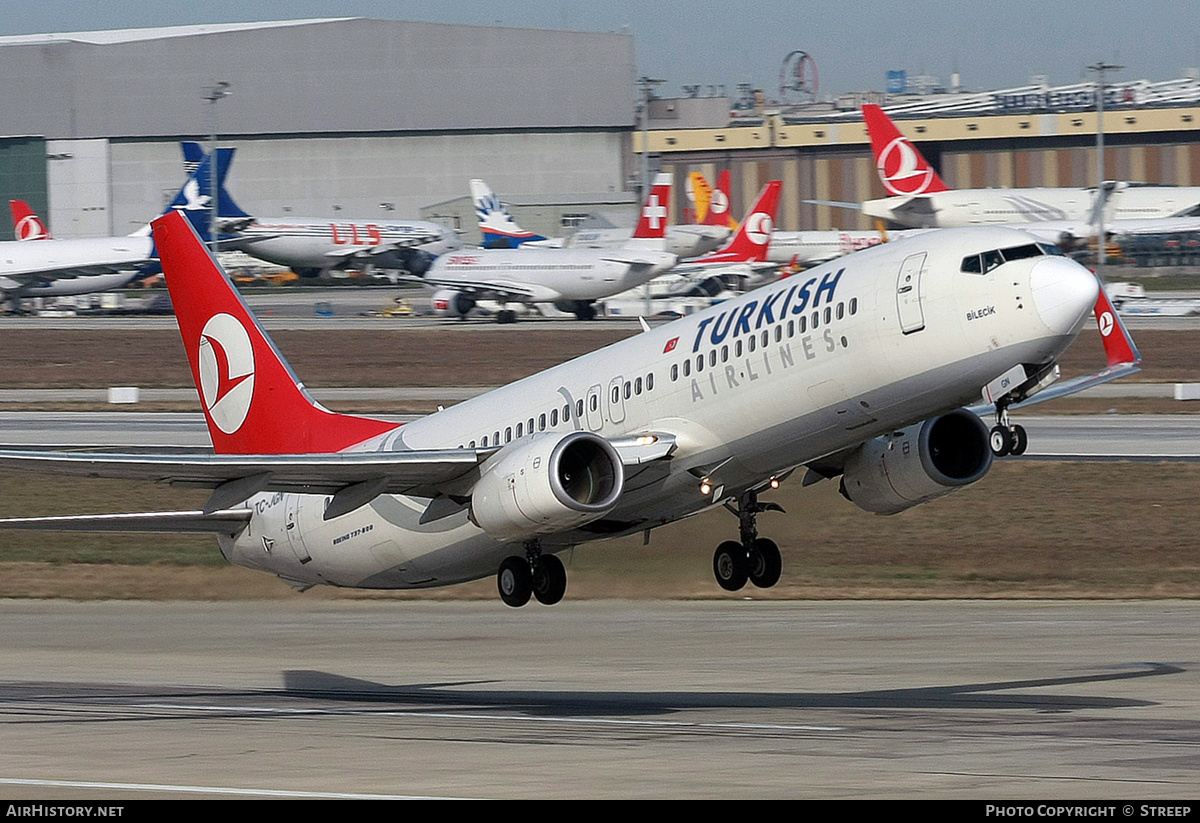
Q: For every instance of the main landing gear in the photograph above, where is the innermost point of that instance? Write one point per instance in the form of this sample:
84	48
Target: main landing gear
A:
538	575
755	559
1006	438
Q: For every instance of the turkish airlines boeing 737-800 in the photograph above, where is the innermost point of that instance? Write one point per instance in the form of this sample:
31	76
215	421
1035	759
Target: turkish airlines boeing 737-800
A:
860	368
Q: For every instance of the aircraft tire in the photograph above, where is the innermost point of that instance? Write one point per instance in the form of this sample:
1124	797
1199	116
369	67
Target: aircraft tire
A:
515	581
549	580
730	566
765	564
1000	441
1020	440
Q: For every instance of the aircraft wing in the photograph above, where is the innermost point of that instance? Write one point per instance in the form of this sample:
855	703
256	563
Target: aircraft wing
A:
510	290
632	257
353	479
40	273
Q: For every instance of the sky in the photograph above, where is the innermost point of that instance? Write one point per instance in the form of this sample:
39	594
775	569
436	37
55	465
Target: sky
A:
727	42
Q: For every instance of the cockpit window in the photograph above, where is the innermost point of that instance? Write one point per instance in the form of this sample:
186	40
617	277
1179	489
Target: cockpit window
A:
988	260
1021	252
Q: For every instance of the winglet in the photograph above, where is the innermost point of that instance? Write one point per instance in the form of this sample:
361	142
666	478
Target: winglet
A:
903	169
1118	348
252	401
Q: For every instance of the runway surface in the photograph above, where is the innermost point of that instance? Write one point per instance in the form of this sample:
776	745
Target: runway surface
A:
1103	436
604	699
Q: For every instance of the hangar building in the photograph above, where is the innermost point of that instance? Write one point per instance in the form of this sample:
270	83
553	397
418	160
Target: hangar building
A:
337	117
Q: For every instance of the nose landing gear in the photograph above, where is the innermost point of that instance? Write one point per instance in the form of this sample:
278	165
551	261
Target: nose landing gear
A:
1006	438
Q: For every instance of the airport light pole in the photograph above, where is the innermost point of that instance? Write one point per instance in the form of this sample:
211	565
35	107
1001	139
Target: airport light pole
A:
212	94
1100	69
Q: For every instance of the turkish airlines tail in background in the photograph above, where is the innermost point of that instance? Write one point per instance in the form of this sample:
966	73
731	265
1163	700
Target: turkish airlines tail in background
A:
903	169
252	401
652	223
753	237
718	207
26	224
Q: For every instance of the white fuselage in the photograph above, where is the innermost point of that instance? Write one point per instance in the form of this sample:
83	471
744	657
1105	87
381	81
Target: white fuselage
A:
62	267
750	388
548	275
681	241
325	244
808	248
976	207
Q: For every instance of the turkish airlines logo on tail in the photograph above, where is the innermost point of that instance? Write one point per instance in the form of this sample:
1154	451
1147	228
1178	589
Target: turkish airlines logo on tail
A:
719	204
226	371
30	227
759	228
901	168
1106	324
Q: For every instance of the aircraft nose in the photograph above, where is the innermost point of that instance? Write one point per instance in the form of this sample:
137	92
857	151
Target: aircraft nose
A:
1064	292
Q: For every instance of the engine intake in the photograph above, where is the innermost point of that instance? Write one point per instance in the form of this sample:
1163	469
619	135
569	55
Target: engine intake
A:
547	483
892	473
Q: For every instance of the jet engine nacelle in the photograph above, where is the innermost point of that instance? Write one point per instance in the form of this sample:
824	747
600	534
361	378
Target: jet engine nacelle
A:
453	303
547	483
892	473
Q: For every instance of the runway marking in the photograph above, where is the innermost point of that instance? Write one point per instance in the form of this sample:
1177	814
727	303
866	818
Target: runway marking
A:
166	787
776	727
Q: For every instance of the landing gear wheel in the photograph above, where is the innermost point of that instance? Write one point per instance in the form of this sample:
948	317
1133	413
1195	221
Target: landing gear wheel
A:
585	311
515	581
730	566
1019	440
1000	440
549	580
765	564
506	316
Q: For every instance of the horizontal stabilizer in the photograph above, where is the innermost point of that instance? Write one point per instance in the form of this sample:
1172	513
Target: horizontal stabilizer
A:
229	521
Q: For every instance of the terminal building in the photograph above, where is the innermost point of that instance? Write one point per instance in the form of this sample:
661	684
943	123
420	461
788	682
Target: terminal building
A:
359	118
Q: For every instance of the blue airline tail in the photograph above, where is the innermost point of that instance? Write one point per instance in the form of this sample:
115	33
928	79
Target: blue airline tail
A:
499	230
193	155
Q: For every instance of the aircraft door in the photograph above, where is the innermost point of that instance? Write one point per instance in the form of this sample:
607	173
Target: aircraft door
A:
908	294
616	402
593	414
292	527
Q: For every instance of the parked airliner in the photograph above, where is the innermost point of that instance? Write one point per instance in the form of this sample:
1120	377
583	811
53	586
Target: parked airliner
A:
920	198
314	246
570	278
54	268
860	368
500	231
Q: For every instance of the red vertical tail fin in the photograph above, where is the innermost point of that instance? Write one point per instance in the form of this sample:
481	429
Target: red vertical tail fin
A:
252	400
26	224
753	237
718	206
903	169
652	223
